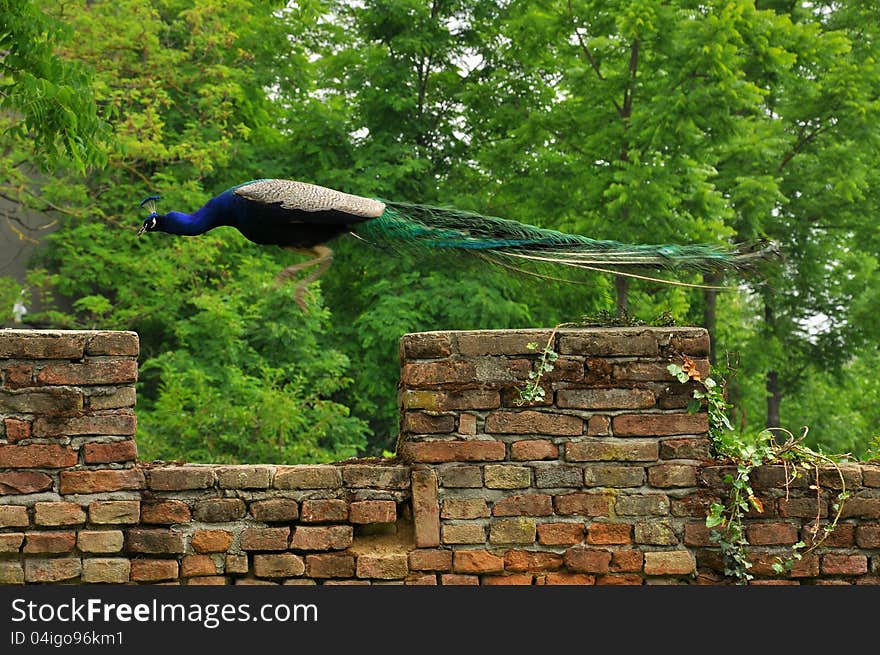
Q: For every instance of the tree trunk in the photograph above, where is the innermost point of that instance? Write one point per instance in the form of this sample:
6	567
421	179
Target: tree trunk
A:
774	399
621	284
710	297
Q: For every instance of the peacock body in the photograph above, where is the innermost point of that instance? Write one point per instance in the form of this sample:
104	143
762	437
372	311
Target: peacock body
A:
304	217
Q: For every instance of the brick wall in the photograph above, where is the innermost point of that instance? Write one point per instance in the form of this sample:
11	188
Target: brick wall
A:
604	481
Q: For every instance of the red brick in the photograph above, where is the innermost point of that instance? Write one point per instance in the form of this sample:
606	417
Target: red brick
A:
39	455
870	475
236	564
587	560
861	507
453	451
584	504
685	448
117	423
219	510
425	346
672	475
533	449
524	505
868	536
433	374
560	534
774	477
330	565
430	560
179	478
771	534
839	564
806	508
518	579
211	541
626	560
17	429
423	423
90	372
567	579
193	565
669	562
528	560
534	422
693	504
88	482
208	580
117	343
114	511
421	579
609	533
153	570
58	513
391	566
18	376
646	425
321	511
456	579
599	398
426	508
656	371
265	538
464	508
612	450
477	561
278	565
116	451
23	482
599	426
334	537
154	541
50	542
275	510
697	534
630	579
165	512
13	516
373	511
52	570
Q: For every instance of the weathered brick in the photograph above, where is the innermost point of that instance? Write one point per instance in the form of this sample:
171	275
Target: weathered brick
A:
58	513
275	510
613	475
17	429
153	570
104	453
424	423
219	510
656	533
43	403
194	565
180	478
512	531
672	475
464	508
117	423
333	537
112	398
524	505
208	580
426	508
609	533
391	566
599	426
533	449
864	507
678	396
17	376
321	511
113	343
773	477
611	341
697	534
111	570
685	448
459	580
165	512
646	425
360	476
23	482
530	560
560	534
583	504
89	372
42	344
425	345
509	579
669	562
463	533
641	371
154	541
566	579
450	400
437	373
840	564
843	535
244	477
503	476
278	565
693	504
265	538
462	477
373	511
499	342
13	516
620	579
10	542
555	476
38	455
870	475
453	451
99	541
52	570
477	561
606	398
211	541
236	564
642	505
771	534
803	507
626	560
89	482
51	541
114	511
613	450
868	536
330	565
533	422
430	560
467	424
587	560
11	572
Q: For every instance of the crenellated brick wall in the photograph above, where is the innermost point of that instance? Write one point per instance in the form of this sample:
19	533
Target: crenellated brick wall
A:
605	481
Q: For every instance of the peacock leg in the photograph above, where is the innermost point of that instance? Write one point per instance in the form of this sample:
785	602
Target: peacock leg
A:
323	259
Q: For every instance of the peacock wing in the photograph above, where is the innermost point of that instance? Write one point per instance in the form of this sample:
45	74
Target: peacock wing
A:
323	203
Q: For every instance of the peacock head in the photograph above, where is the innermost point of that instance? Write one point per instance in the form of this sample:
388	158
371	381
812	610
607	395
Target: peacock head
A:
154	220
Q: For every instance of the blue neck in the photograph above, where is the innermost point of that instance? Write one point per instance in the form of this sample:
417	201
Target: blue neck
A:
216	212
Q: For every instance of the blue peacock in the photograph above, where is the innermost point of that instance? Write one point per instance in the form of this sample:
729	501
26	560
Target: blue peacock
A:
305	217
